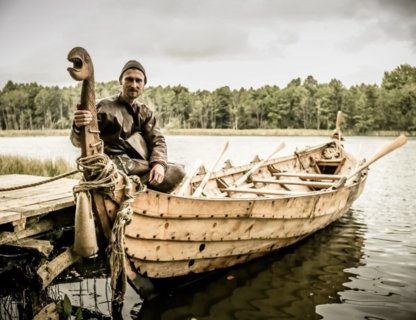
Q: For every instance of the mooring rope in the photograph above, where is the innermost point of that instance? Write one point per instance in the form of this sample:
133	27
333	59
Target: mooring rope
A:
34	184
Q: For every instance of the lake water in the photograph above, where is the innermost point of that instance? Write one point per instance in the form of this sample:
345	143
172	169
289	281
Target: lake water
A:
361	267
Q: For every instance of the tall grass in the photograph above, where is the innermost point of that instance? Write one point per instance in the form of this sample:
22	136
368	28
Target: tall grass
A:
33	133
26	165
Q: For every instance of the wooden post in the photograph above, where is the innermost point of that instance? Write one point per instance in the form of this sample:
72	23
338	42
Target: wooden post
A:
51	269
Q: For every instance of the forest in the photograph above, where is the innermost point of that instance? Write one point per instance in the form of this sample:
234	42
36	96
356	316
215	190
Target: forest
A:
301	104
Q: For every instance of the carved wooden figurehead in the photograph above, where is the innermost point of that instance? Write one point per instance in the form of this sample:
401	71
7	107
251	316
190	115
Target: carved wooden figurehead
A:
83	70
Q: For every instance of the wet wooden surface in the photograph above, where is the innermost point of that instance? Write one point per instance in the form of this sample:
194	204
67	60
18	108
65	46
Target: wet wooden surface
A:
17	205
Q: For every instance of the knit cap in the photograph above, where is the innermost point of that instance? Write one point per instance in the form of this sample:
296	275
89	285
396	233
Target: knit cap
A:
133	64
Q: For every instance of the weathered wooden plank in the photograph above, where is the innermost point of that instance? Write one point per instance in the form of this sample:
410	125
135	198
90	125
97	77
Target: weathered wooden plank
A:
27	193
42	226
22	203
9	216
10	180
185	250
62	184
221	229
43	246
168	206
48	206
35	197
51	269
163	269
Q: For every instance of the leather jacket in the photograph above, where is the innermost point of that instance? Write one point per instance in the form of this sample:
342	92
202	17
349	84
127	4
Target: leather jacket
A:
126	129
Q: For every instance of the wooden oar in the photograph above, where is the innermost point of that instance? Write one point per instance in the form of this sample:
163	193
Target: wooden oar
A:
401	140
244	177
188	178
204	181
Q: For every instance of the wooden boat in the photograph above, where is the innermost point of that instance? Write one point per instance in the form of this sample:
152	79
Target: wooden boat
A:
284	200
218	219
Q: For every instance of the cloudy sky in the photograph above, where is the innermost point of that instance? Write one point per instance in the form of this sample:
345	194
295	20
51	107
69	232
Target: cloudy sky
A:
205	44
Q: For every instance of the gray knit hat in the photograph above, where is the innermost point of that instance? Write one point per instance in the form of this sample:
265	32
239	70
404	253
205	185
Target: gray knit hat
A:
133	64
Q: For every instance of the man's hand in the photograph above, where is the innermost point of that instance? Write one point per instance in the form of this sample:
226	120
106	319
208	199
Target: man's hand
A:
157	174
82	118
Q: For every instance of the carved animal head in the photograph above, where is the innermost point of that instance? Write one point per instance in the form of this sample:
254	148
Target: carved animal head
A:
82	68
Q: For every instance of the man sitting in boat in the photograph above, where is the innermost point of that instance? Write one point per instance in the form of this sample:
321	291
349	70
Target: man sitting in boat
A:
132	137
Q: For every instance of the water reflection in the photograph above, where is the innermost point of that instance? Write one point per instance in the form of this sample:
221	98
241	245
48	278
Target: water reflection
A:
285	285
361	267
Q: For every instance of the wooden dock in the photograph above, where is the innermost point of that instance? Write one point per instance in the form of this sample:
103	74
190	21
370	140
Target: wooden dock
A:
16	206
30	216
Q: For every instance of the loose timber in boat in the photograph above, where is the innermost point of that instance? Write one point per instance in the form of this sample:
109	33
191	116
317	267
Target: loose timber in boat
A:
286	200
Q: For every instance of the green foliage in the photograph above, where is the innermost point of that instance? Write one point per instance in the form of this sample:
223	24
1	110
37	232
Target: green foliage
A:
300	105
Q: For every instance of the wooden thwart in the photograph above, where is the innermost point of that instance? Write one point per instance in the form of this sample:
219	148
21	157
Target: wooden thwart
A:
294	182
316	176
263	191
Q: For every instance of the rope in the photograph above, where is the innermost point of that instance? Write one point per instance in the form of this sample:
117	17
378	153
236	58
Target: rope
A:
34	184
116	246
101	171
103	176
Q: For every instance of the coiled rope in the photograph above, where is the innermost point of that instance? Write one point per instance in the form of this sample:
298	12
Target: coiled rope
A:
104	176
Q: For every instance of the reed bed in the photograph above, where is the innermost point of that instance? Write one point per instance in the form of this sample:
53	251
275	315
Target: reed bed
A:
26	165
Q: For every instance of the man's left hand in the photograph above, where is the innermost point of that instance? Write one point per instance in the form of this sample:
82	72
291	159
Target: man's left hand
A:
157	174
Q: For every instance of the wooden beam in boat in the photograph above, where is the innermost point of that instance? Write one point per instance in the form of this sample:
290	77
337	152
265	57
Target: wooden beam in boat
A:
263	191
309	175
294	182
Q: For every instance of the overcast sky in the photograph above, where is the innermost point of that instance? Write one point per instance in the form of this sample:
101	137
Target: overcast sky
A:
205	44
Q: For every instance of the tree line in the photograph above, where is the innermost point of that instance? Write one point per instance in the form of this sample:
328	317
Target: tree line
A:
301	104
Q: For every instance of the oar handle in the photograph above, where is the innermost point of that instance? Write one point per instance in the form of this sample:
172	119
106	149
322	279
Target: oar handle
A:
390	147
244	177
204	181
188	179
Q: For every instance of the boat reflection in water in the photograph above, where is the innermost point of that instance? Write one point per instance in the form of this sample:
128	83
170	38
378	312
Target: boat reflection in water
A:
289	284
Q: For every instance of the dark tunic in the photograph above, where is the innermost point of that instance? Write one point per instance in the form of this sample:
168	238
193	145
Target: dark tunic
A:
133	139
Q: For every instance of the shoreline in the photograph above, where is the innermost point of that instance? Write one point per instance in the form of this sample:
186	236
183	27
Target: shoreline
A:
222	132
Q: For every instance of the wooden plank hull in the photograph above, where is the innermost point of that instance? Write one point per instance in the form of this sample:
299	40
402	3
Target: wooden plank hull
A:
174	245
172	235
